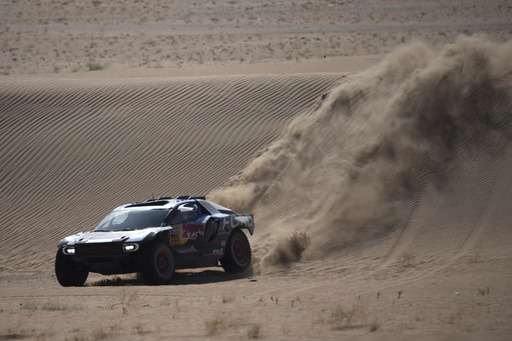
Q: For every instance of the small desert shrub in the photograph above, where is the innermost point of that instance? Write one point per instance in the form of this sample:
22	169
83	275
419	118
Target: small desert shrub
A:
341	319
215	326
407	260
100	334
254	331
226	299
55	306
77	338
139	329
94	66
474	259
128	296
374	326
50	306
15	334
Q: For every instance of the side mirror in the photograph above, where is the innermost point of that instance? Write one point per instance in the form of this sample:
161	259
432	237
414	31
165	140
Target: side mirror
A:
185	209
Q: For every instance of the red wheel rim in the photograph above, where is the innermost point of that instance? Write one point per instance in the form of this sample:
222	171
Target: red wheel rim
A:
163	263
239	250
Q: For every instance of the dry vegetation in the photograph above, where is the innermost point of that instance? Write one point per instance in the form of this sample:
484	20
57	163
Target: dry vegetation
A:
58	36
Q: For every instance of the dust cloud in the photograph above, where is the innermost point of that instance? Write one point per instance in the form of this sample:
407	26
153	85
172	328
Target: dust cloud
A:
353	168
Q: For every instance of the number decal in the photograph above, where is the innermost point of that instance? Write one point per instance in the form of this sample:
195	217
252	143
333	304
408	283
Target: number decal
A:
175	239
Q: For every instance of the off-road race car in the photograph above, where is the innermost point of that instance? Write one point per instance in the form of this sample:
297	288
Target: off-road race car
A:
155	237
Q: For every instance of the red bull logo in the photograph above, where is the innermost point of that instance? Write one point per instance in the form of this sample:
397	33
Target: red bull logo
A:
192	231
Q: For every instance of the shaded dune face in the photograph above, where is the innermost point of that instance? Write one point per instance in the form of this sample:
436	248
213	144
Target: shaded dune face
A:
72	150
408	160
411	155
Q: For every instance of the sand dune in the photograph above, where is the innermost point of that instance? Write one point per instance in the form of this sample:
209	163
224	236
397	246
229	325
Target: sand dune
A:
74	150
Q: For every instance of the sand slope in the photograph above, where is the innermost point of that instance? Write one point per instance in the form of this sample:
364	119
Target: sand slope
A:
72	151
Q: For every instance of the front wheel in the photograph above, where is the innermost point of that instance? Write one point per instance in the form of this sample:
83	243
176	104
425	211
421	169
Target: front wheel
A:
157	264
69	273
237	257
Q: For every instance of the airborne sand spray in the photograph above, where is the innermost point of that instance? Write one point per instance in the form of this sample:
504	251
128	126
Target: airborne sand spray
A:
358	163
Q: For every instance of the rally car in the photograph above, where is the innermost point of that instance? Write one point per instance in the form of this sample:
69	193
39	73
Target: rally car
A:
155	237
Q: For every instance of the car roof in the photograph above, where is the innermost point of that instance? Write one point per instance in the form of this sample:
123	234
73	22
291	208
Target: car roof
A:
169	203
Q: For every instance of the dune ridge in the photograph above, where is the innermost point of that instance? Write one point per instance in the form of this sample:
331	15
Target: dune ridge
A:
73	150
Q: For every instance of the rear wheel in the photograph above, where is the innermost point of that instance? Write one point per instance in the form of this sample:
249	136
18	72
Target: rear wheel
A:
157	264
237	257
69	273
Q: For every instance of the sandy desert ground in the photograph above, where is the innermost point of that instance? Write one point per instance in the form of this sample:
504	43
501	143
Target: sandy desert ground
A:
371	140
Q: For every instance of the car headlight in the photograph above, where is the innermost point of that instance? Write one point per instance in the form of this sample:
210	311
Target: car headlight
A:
131	247
69	250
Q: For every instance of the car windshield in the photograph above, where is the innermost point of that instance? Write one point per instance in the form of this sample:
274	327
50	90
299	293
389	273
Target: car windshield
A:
124	220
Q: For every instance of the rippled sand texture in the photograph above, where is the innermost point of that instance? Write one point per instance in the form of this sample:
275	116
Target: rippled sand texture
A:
73	150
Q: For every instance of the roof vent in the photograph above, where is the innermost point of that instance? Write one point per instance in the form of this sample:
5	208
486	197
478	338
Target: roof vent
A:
149	203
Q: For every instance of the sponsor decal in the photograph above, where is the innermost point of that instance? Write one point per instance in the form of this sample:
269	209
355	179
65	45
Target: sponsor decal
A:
244	220
192	230
175	239
216	252
186	249
176	236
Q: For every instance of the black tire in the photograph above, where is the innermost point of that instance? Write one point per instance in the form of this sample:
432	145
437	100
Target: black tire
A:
157	264
237	256
69	273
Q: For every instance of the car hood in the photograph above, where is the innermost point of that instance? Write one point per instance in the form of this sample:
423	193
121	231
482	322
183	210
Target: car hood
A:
111	236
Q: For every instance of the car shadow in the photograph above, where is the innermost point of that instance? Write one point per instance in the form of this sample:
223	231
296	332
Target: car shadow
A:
181	277
206	276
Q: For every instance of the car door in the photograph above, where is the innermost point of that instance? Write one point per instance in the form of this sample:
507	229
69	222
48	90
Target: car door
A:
188	222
